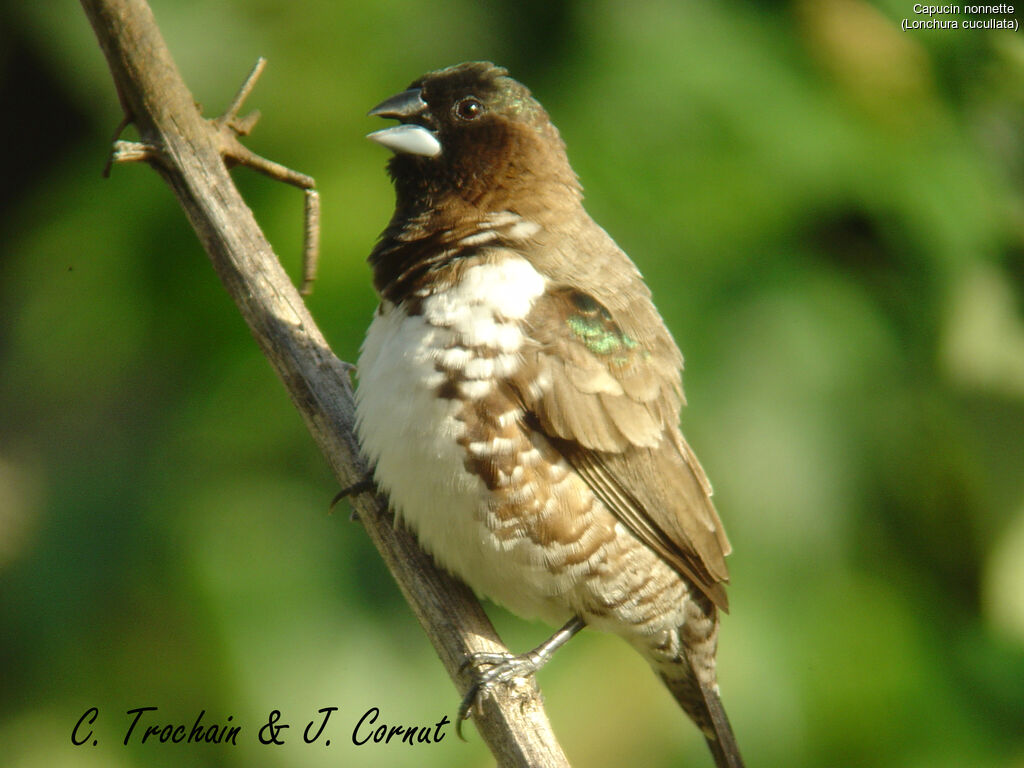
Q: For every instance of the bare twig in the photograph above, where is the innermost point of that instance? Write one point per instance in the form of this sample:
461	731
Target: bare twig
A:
311	251
231	126
190	153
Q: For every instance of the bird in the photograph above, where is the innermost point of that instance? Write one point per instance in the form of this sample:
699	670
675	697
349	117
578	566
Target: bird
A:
519	394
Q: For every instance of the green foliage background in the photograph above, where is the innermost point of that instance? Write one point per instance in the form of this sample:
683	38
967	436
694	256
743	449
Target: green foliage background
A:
831	215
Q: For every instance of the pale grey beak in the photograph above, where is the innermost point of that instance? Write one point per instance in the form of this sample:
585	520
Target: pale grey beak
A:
408	138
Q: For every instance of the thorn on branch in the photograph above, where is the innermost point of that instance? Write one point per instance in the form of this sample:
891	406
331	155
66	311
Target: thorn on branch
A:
230	116
125	122
133	152
243	126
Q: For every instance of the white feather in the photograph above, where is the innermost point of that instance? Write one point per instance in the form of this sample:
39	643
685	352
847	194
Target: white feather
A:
412	436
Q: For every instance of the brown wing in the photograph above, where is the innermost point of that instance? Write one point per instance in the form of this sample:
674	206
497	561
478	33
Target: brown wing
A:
606	389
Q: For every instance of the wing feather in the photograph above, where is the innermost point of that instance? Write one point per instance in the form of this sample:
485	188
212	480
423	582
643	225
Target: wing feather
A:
601	377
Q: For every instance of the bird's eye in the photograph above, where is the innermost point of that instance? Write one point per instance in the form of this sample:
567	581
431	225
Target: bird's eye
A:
468	108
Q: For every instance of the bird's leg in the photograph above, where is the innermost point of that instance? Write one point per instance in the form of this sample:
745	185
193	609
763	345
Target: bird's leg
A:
507	666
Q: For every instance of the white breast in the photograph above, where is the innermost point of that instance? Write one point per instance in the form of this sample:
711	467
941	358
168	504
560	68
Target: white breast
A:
411	435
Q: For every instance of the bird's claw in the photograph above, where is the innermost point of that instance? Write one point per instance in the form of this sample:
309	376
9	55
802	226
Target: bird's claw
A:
504	668
366	485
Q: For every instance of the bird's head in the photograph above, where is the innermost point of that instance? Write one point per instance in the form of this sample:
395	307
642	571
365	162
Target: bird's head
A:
470	134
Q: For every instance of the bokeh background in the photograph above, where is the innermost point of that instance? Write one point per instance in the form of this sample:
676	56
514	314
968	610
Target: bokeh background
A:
830	212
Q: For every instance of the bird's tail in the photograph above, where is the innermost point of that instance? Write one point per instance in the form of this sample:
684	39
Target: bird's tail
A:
703	704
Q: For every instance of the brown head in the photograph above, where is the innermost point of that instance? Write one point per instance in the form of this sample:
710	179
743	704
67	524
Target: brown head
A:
470	137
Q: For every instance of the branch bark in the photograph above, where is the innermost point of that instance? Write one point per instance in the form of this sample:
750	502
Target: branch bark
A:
188	152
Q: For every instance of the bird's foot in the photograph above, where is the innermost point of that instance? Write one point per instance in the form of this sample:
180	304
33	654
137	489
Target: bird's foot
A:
503	668
507	667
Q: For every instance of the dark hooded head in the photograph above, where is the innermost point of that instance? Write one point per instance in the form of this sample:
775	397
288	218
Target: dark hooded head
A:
470	135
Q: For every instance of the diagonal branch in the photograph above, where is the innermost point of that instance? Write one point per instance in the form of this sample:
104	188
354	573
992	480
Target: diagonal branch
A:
189	153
